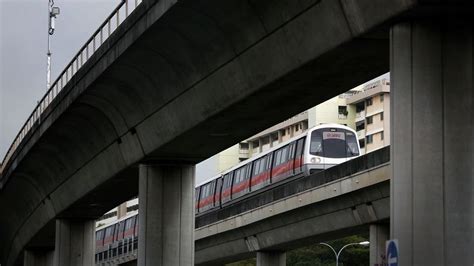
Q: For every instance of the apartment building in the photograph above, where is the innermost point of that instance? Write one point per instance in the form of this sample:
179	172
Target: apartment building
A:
372	120
365	108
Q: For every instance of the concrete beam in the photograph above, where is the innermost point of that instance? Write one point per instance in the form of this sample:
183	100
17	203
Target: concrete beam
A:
166	221
75	243
432	151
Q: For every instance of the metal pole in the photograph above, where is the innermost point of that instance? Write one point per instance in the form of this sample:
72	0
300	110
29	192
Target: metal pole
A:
333	250
339	253
53	11
48	53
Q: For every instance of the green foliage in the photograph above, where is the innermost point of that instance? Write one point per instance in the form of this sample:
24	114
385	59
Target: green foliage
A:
319	255
249	262
322	255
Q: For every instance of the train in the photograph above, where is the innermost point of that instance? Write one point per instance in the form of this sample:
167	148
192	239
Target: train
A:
317	149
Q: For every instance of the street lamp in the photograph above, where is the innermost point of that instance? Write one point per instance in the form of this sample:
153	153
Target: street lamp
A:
337	254
53	12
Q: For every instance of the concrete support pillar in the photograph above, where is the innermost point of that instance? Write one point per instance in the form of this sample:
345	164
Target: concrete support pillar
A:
75	243
38	258
166	229
433	142
379	234
271	258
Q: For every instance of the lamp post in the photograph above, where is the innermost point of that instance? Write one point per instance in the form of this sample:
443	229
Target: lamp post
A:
53	12
337	254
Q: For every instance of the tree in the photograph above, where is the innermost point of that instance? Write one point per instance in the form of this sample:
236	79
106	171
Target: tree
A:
319	255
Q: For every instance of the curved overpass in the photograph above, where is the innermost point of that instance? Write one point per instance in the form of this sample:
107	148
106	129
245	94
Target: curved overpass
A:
175	83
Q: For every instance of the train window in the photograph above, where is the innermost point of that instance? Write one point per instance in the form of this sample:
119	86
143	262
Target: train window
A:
207	189
109	231
227	180
240	174
260	166
218	188
122	226
256	167
196	194
291	153
128	223
269	161
98	235
333	143
281	156
284	155
277	157
264	164
299	147
352	147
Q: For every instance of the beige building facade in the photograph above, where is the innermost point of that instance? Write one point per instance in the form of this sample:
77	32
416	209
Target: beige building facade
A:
372	120
366	109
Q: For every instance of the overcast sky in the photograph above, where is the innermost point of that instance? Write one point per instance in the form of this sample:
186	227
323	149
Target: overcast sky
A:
23	43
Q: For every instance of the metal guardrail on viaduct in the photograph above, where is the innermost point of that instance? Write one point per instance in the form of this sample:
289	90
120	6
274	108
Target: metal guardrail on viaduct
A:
105	30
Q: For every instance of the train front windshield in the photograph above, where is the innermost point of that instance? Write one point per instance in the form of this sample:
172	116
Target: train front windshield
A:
333	143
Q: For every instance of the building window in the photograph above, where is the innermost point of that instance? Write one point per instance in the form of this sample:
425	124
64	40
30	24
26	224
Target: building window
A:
369	139
381	97
342	110
368	102
381	116
369	120
381	135
360	107
360	126
362	143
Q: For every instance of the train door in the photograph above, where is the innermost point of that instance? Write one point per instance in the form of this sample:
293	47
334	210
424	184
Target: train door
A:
99	239
291	158
206	200
120	230
299	157
241	185
281	168
226	188
260	173
136	225
217	194
196	198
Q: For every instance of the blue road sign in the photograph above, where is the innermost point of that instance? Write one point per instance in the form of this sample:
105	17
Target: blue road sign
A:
391	250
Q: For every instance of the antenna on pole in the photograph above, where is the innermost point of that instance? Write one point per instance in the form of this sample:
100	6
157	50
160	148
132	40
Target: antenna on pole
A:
53	12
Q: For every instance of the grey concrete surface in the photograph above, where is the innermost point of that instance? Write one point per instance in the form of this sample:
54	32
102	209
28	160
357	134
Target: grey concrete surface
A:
75	243
166	221
271	258
175	82
378	235
38	258
432	193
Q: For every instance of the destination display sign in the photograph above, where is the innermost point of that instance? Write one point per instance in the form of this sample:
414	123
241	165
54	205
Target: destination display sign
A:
334	135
